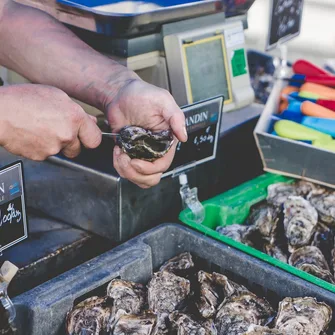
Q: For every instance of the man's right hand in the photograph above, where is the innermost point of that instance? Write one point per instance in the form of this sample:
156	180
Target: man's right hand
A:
40	121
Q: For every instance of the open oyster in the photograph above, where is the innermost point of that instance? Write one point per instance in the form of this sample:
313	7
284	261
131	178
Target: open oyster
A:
185	325
260	330
144	324
303	316
144	144
178	264
127	296
300	221
165	292
324	202
310	259
237	313
279	192
92	315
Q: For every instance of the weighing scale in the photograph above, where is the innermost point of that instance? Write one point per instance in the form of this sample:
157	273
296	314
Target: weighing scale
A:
197	51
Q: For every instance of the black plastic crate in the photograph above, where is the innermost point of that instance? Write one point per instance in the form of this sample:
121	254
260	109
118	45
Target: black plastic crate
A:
42	310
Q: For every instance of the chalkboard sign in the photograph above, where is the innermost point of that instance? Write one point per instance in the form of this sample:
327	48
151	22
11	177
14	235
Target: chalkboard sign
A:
203	121
285	21
13	219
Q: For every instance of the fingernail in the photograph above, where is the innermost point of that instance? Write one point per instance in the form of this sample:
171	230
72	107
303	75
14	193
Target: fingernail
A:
185	132
117	151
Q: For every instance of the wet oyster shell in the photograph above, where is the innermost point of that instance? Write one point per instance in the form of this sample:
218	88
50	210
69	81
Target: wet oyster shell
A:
178	264
300	221
144	144
324	203
237	313
127	296
279	192
92	315
165	292
144	324
303	316
185	325
260	330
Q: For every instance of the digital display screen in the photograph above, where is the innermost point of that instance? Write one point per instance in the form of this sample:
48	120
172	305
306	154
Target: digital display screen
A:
206	69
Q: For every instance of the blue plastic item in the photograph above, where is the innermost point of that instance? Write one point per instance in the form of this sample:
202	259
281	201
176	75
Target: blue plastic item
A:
326	126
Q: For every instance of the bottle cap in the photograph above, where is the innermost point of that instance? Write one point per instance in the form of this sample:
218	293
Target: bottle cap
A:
183	179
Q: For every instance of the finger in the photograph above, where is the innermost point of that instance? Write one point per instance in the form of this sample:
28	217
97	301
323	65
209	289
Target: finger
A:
158	166
89	133
125	170
73	149
176	118
93	118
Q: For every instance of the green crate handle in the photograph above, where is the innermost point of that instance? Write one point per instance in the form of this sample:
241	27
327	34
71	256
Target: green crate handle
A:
233	207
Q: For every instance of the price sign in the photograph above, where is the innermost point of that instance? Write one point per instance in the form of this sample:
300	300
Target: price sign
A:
13	219
285	21
203	120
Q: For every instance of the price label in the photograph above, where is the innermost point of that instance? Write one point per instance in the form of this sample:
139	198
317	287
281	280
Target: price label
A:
285	21
203	120
13	219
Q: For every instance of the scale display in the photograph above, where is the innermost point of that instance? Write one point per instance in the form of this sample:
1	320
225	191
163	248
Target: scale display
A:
206	69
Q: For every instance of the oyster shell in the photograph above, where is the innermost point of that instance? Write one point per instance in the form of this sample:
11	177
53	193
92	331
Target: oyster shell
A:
185	325
260	330
165	292
144	144
127	296
237	313
279	192
324	203
178	264
324	240
303	316
237	232
265	218
275	251
305	187
228	287
92	315
144	324
300	221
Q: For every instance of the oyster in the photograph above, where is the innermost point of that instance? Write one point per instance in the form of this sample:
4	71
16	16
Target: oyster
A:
92	315
324	202
279	192
229	287
178	264
144	324
237	313
310	259
127	296
260	330
144	144
265	218
305	187
324	240
165	292
300	221
275	251
185	325
237	232
303	316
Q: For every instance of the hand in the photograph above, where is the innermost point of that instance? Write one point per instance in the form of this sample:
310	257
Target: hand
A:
141	104
40	121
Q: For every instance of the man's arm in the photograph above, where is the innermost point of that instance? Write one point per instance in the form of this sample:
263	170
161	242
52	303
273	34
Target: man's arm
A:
44	51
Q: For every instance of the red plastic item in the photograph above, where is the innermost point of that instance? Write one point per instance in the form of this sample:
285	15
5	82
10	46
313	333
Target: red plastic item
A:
321	80
308	69
330	104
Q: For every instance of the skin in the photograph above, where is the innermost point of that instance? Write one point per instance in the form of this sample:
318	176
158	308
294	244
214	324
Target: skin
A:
40	119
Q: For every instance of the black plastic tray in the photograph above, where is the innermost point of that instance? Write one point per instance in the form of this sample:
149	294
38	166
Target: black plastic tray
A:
42	310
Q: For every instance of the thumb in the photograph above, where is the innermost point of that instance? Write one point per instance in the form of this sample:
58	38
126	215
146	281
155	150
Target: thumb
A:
89	133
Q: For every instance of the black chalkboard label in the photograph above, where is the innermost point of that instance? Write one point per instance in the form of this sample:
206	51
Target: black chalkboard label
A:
203	120
13	219
285	21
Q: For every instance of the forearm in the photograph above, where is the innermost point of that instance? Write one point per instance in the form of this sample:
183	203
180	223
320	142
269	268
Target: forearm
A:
44	51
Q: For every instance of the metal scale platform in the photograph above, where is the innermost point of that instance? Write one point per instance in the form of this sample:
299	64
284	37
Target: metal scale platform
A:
167	45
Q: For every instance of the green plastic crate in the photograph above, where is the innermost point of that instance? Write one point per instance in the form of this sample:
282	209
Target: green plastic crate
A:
232	207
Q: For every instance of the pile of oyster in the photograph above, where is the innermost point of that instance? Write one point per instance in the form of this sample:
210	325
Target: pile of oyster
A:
182	299
295	225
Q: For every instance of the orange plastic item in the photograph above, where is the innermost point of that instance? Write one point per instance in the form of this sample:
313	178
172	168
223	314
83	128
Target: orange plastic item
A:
283	100
324	91
311	109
